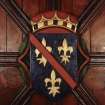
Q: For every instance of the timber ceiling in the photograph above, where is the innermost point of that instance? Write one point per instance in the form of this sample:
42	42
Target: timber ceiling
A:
33	7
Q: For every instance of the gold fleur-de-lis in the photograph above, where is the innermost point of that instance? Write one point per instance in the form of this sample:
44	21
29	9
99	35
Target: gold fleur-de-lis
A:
65	48
42	59
53	81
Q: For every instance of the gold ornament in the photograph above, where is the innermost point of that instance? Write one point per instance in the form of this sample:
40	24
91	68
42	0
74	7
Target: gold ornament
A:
42	59
54	82
65	48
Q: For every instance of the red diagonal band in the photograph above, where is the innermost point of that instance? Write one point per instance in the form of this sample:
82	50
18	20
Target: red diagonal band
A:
68	79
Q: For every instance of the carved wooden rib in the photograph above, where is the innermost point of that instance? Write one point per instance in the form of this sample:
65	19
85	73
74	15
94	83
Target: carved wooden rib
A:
97	59
8	58
90	14
17	15
24	23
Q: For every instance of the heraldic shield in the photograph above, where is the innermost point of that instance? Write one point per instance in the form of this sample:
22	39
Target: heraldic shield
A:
53	55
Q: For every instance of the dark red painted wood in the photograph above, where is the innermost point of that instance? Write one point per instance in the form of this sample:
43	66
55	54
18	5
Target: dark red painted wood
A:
13	39
2	30
20	3
68	100
31	7
10	83
14	36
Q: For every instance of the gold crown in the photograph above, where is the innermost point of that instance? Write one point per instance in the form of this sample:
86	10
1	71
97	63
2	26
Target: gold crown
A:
54	21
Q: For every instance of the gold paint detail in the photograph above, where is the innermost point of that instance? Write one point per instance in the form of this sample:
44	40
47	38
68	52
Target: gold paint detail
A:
42	59
65	58
60	23
54	84
33	25
40	24
69	25
50	22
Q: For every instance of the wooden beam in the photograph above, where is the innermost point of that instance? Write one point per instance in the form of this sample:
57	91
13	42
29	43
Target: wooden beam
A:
97	59
89	14
20	18
24	23
8	59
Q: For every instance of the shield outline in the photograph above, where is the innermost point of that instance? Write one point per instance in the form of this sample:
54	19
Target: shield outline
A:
52	16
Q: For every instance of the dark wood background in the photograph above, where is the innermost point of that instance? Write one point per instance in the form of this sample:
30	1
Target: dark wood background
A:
11	38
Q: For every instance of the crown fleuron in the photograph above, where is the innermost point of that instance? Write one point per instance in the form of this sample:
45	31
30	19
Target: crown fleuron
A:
54	21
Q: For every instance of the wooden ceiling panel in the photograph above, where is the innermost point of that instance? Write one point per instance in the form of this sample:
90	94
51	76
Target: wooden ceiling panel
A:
2	30
67	6
79	6
31	7
10	84
20	2
94	79
14	36
74	7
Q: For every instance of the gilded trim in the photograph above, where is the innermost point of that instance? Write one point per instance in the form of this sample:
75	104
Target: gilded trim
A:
54	21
